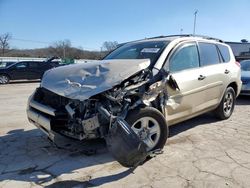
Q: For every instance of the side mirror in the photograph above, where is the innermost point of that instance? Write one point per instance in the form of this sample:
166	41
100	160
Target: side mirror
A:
172	83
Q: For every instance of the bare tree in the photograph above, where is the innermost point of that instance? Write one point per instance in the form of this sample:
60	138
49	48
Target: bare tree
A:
4	42
244	40
61	48
109	45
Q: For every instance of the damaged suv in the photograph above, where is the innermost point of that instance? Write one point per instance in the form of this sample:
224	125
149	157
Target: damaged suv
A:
143	86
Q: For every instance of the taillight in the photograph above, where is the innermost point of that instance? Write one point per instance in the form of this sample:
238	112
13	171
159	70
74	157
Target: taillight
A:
237	63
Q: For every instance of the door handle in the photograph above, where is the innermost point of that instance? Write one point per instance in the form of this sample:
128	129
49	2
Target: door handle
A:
227	71
201	77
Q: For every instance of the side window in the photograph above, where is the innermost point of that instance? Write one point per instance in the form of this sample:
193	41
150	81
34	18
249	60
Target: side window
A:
34	65
208	54
185	57
224	52
21	65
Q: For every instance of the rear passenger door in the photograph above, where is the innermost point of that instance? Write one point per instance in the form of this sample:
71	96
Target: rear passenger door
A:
183	65
36	70
215	79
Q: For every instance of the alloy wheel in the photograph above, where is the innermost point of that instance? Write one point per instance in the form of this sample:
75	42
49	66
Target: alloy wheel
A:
148	130
4	79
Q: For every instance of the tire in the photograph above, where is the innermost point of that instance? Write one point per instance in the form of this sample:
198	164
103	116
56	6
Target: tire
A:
226	106
4	79
150	125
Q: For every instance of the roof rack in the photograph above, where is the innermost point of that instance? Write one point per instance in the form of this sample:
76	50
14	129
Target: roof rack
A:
188	35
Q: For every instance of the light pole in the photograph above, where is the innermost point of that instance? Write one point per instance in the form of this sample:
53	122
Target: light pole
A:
181	30
195	13
63	52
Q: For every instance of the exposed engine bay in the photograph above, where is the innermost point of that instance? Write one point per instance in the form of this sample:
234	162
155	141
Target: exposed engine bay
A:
96	116
93	117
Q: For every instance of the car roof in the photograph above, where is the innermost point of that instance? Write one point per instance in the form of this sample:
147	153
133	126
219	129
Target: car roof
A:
170	38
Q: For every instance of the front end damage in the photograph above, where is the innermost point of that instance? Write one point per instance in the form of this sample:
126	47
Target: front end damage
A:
103	114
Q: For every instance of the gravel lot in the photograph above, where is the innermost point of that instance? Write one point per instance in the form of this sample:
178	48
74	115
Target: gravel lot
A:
201	152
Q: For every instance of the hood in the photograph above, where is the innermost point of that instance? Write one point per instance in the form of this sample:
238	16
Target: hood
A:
83	80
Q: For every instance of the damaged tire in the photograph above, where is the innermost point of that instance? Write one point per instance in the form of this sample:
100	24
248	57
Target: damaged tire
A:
150	125
226	107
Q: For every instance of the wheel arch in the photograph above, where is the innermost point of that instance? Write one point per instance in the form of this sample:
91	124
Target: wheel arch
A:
6	74
234	86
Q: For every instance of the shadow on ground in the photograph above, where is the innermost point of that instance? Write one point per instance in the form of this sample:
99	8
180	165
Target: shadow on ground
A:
92	182
243	100
24	81
30	157
202	119
189	124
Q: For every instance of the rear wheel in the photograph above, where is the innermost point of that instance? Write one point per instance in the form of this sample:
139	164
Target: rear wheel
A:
226	107
150	125
4	79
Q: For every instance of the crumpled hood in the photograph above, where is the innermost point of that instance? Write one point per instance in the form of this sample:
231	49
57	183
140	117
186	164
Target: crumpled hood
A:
83	80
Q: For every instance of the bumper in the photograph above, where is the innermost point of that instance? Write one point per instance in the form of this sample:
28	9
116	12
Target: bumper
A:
39	115
245	89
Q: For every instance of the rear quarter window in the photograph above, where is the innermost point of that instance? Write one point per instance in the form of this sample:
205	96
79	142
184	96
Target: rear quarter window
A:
224	52
208	54
34	65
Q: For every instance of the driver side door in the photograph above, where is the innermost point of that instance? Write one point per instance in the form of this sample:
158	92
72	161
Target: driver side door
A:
184	66
20	71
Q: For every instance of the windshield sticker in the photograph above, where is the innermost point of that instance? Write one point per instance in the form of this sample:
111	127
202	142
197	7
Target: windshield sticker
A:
150	50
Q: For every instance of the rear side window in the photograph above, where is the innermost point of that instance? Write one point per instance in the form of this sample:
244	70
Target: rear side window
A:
224	52
185	57
34	65
21	65
208	54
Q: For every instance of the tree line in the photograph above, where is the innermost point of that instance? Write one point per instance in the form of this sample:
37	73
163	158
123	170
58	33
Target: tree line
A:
61	49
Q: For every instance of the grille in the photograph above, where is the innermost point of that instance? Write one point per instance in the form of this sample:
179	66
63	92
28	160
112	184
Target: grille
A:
49	98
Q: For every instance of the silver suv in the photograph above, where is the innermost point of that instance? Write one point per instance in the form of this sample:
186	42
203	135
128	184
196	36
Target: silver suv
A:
146	85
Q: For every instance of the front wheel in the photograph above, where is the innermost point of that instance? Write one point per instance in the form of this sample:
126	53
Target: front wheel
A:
226	106
150	125
4	79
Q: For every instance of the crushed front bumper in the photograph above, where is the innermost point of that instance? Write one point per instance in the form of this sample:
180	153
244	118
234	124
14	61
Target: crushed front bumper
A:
38	114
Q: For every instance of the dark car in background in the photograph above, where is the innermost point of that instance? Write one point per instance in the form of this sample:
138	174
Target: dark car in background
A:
245	77
25	70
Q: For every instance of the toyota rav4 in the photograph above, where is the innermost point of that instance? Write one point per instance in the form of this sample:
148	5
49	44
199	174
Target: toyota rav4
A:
147	85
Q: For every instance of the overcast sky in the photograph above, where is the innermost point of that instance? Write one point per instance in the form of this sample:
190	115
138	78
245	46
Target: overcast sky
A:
88	23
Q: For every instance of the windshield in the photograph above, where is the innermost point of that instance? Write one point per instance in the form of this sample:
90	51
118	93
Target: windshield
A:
5	64
245	65
139	50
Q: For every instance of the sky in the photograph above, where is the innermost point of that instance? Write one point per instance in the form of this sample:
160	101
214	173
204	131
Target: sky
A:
89	23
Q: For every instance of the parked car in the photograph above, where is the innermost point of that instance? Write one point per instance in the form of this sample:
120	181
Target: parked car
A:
4	64
143	86
245	77
24	70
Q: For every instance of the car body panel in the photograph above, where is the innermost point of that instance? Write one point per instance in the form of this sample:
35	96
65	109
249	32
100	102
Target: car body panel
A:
189	98
193	96
245	77
27	70
81	81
